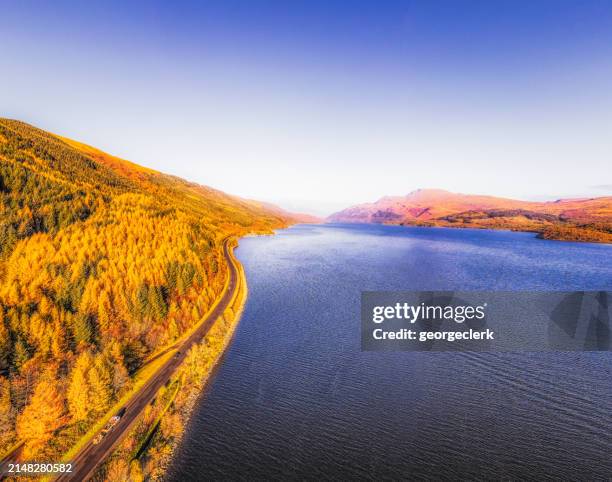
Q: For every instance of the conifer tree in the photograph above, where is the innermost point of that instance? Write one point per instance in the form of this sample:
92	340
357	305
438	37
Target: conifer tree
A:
120	375
44	414
5	344
82	329
78	390
100	388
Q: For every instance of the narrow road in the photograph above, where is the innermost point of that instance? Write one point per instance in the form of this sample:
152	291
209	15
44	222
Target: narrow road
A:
91	456
10	458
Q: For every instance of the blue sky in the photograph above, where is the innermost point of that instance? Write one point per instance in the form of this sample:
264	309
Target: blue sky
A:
317	105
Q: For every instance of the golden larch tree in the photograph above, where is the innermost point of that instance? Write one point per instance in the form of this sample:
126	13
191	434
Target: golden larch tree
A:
45	413
78	390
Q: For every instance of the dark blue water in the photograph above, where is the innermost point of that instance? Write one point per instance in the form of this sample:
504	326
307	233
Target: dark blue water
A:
295	398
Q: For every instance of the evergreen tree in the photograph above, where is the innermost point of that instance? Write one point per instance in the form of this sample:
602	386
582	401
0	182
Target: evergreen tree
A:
5	344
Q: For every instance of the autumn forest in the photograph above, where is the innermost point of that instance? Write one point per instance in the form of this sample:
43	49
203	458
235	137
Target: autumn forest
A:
103	263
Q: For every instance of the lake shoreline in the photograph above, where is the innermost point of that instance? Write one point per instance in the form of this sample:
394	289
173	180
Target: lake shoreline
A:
552	233
197	392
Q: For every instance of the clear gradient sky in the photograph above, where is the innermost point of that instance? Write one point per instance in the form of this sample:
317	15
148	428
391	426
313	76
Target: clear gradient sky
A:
317	105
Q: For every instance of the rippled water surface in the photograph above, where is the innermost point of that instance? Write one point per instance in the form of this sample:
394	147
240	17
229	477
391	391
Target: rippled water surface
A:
296	398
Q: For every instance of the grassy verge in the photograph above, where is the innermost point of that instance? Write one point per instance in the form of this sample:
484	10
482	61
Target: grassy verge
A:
141	448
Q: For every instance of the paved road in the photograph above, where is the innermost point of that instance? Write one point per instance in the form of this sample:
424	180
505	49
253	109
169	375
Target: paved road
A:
91	456
10	458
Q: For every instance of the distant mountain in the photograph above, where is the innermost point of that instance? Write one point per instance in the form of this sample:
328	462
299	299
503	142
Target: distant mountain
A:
586	219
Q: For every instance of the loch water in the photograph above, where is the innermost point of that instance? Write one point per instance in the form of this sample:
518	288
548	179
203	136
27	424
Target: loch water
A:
295	397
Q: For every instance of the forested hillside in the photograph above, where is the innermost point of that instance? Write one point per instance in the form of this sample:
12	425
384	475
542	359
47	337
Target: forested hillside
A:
102	263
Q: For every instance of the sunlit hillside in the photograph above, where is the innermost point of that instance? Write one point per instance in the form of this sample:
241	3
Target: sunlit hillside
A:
102	263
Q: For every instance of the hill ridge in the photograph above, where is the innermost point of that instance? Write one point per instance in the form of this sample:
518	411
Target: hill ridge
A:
580	219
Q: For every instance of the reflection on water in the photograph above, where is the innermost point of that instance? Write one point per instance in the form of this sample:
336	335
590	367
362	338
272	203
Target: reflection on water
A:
296	398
